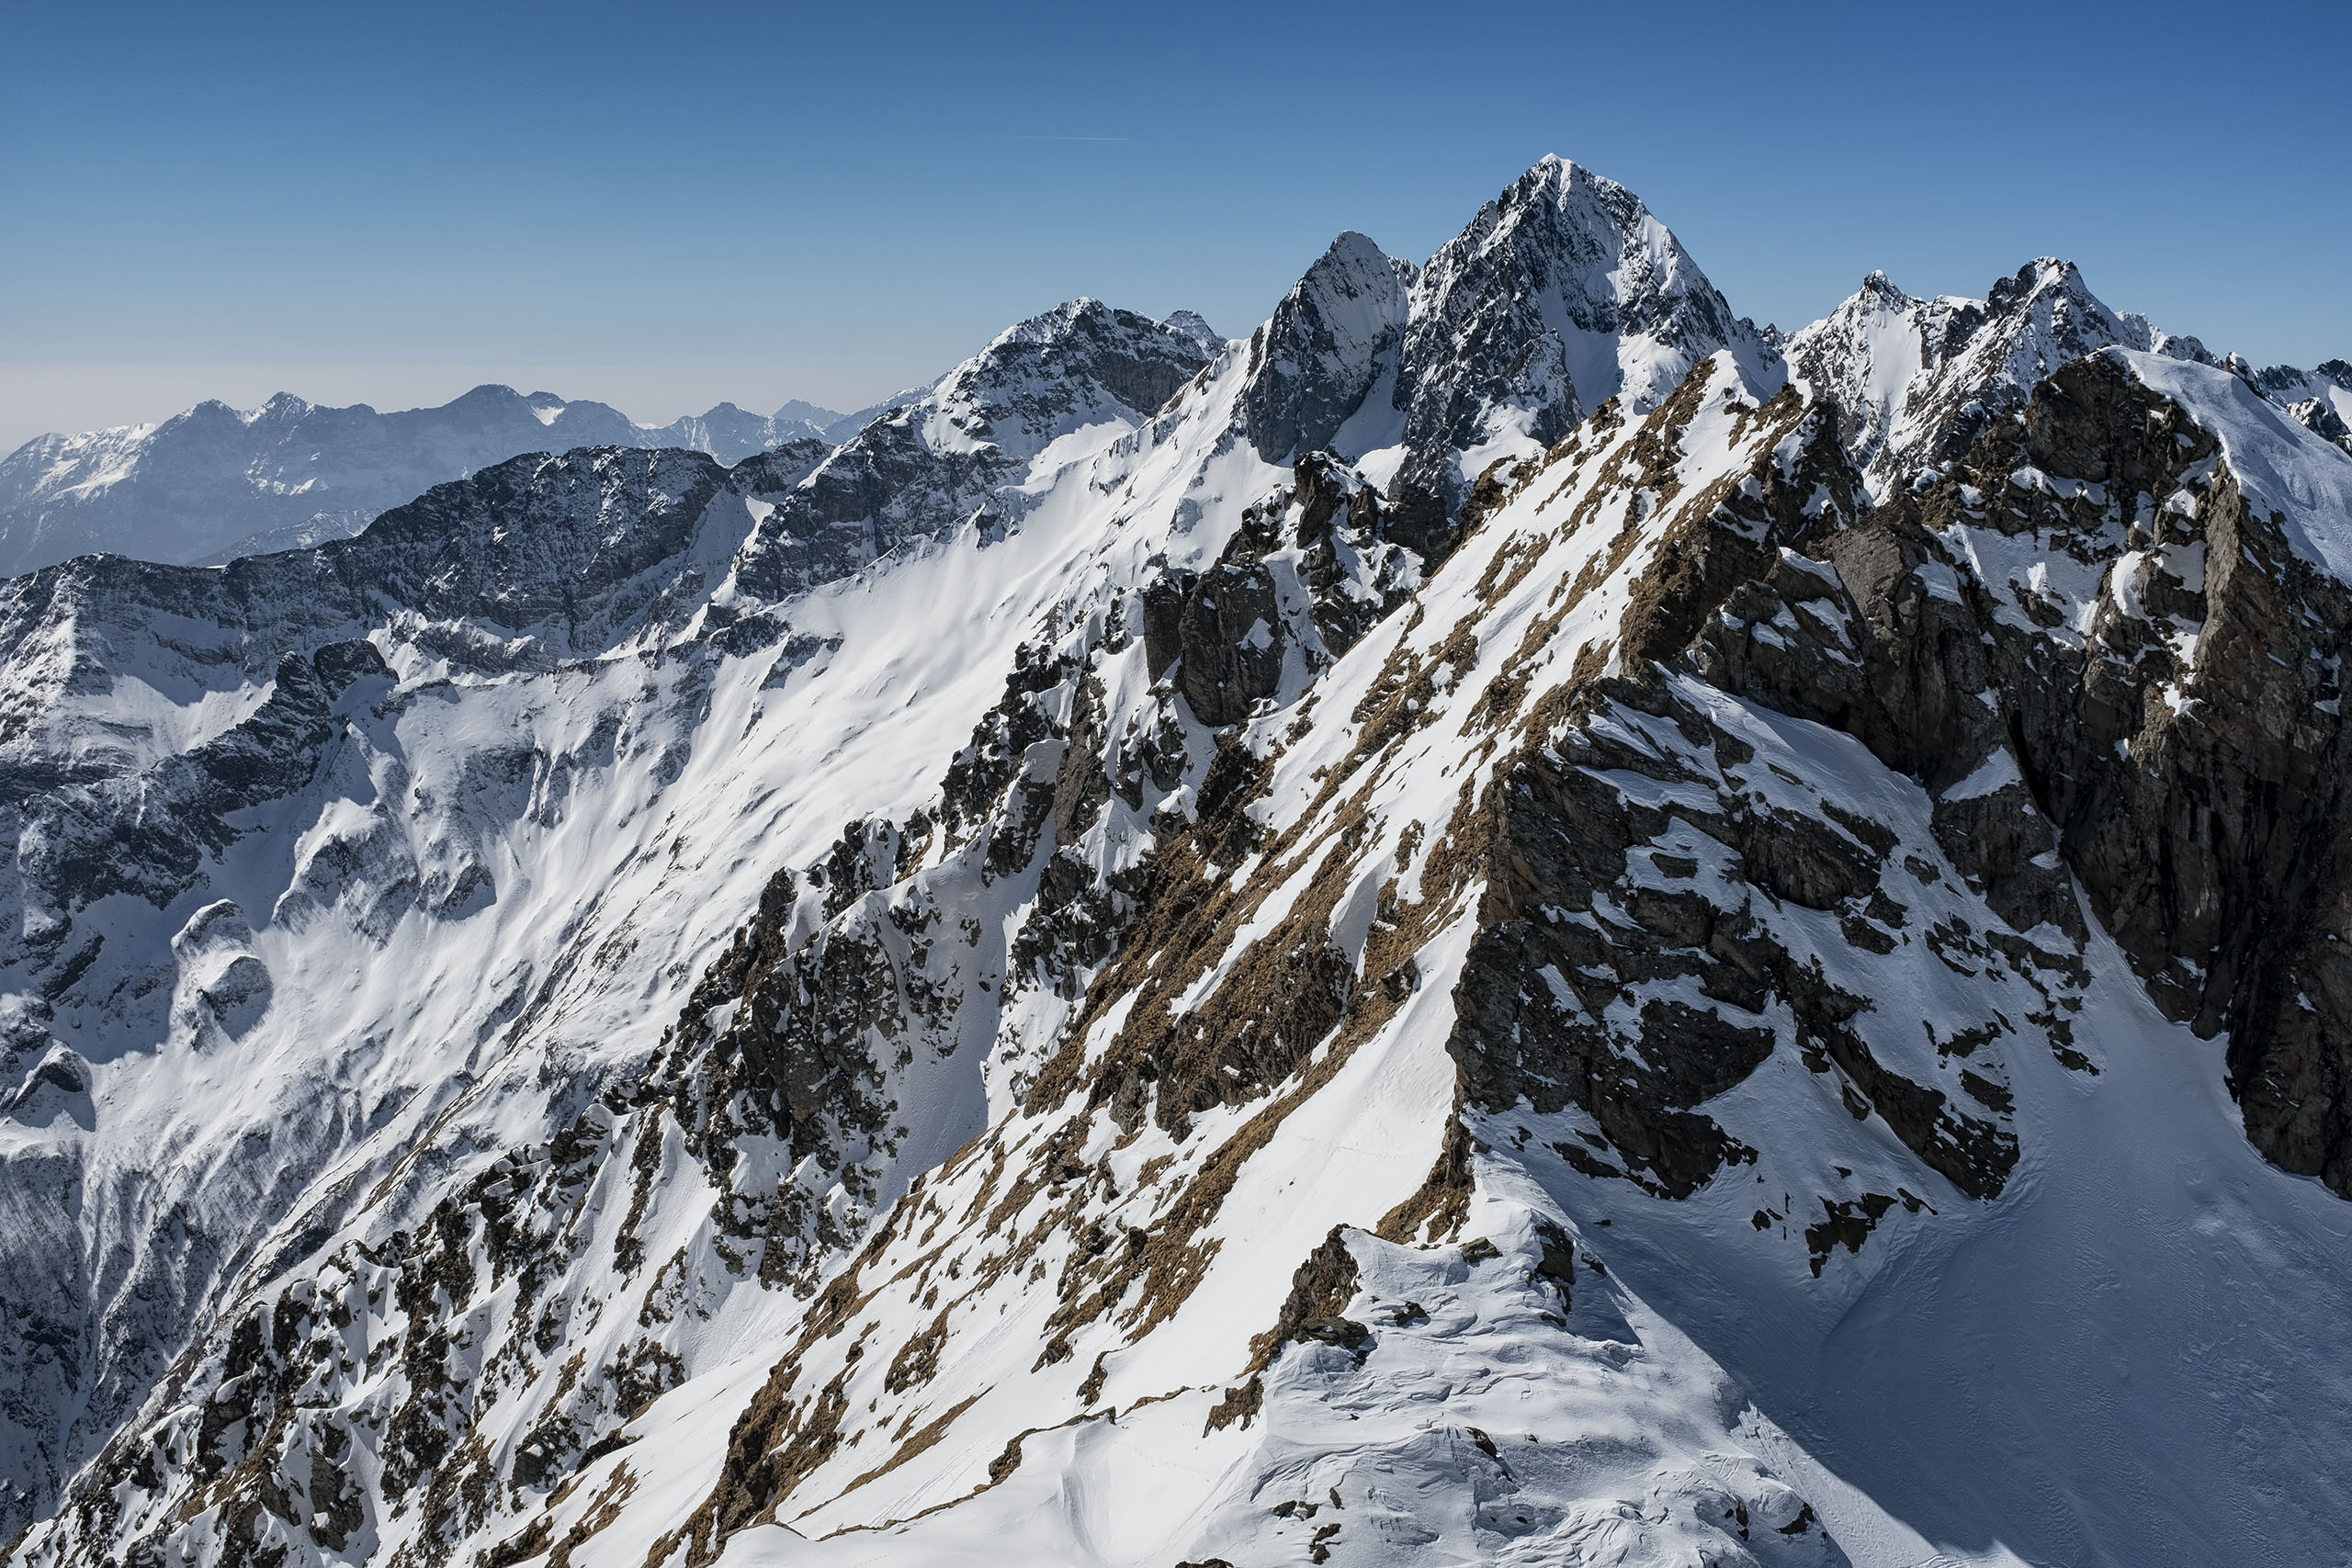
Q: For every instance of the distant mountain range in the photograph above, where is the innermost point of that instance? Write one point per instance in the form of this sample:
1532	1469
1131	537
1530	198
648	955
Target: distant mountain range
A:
216	482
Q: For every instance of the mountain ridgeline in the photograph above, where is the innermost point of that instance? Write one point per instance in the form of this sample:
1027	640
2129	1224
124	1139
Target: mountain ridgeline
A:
1511	921
214	483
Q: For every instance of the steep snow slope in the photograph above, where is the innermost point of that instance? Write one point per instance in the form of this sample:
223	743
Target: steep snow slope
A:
499	771
1820	1059
1059	986
215	483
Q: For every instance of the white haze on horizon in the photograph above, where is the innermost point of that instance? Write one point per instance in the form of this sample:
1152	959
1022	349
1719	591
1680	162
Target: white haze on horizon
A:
37	397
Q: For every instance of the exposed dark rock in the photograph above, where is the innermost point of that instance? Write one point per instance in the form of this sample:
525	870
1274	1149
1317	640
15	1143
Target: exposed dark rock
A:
2195	802
1232	641
1229	633
1320	1291
1314	363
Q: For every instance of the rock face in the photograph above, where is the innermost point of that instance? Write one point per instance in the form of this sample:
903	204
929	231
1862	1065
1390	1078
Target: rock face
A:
1337	336
951	457
1307	573
2188	750
1456	932
1562	293
213	483
1917	380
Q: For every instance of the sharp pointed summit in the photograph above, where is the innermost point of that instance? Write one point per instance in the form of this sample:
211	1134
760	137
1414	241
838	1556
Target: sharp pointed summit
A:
1561	294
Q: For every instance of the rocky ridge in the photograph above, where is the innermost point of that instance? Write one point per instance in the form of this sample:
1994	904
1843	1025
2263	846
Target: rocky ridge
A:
1413	1021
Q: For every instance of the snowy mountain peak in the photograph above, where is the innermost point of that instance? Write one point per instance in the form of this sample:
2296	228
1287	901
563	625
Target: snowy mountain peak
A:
1596	204
1915	379
1037	396
2042	275
1562	293
1876	285
2322	396
1136	358
1192	324
1334	337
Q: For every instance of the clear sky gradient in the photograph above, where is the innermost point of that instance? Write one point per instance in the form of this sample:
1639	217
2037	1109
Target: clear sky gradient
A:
665	206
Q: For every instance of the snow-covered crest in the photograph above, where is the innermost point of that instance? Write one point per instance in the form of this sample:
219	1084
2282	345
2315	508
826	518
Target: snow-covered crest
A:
1043	395
2279	464
1915	377
1917	380
1599	297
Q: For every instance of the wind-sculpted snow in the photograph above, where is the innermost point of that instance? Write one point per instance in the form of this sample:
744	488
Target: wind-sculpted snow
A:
213	484
1106	976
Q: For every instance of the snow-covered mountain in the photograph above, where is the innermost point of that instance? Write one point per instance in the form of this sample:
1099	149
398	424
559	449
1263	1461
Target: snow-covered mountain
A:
1563	292
215	483
1916	380
1442	934
2320	398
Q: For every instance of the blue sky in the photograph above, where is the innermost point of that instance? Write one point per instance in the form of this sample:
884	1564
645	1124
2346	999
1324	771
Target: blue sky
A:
665	206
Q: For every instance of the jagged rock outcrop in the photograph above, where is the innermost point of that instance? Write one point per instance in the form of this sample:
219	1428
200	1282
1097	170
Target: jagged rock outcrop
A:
1916	380
950	458
1304	578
